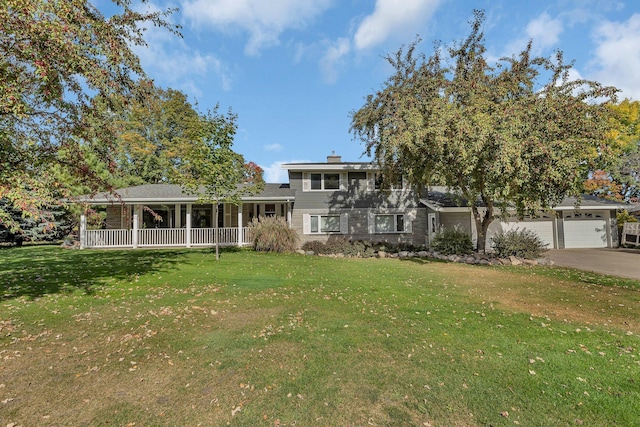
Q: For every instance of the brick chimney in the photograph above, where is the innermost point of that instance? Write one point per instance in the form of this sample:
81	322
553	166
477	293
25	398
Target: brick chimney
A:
333	158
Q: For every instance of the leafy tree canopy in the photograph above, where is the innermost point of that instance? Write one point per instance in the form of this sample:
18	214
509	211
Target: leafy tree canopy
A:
56	58
520	135
620	178
155	135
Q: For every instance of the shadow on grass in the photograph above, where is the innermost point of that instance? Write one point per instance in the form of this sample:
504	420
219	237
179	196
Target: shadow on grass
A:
35	271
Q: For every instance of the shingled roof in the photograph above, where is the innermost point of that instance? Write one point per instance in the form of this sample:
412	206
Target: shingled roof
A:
439	198
164	193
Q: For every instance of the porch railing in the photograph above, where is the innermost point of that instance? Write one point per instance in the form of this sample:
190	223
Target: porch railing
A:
155	237
108	238
631	233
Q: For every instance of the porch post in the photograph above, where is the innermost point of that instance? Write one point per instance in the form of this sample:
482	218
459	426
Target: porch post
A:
188	225
610	222
83	231
134	236
289	214
176	216
240	238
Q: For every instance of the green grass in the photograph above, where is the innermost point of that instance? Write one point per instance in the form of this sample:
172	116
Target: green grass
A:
172	337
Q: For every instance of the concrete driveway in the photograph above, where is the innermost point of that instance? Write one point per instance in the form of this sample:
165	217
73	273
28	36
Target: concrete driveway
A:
615	262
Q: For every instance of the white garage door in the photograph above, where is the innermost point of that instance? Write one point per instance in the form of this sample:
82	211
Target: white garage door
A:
542	226
585	230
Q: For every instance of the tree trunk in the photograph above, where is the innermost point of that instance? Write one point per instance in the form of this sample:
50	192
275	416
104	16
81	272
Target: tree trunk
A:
482	222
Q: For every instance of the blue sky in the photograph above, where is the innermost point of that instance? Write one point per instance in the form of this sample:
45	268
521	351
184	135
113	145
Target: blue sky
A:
293	70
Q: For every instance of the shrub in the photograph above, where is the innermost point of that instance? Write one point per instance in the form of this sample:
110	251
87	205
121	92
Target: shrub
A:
452	241
341	246
519	243
314	246
272	234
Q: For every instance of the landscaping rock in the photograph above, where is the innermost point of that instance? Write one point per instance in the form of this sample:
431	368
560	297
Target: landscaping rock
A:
301	252
382	254
423	254
483	261
471	260
310	253
403	254
529	262
514	260
411	255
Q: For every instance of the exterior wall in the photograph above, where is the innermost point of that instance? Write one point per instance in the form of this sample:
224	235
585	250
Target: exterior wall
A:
357	201
358	223
354	194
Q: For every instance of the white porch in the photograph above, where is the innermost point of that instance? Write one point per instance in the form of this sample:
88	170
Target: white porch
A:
164	237
178	225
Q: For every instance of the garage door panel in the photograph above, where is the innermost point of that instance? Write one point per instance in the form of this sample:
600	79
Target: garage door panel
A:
542	228
585	233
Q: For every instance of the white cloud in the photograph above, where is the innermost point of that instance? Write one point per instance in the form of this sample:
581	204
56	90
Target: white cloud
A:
332	58
274	172
617	55
273	147
264	21
392	18
169	59
543	30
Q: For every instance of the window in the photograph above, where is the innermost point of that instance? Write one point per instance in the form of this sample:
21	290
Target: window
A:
331	181
316	181
270	209
323	181
389	223
325	224
378	180
356	178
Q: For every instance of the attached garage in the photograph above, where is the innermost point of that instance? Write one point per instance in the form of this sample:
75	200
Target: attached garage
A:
585	229
586	223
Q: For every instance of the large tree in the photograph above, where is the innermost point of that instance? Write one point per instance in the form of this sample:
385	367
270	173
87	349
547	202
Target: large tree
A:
497	136
620	178
56	58
155	135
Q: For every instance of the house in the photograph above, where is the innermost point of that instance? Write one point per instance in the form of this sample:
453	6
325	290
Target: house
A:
332	199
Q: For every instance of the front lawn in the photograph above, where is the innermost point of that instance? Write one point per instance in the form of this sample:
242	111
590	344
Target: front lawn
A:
172	337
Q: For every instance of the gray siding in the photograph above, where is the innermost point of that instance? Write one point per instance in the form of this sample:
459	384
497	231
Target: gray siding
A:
358	227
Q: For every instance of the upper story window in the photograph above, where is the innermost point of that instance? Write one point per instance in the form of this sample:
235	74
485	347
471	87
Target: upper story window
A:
378	181
324	181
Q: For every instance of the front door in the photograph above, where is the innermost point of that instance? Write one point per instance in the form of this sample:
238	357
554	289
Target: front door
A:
432	226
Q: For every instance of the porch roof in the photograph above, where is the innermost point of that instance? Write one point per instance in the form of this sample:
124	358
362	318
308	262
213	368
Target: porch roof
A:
171	193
